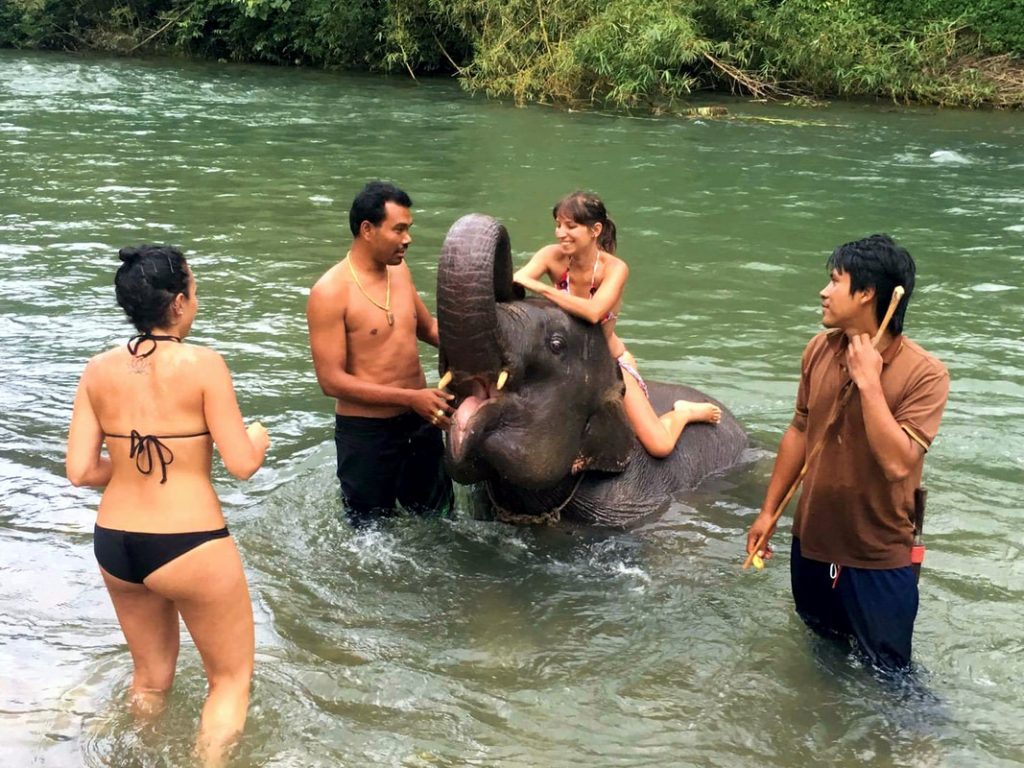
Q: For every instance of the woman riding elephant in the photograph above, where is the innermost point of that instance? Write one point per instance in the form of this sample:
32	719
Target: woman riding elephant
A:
587	280
540	424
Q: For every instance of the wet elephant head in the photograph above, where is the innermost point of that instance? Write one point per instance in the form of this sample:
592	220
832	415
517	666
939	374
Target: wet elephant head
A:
538	395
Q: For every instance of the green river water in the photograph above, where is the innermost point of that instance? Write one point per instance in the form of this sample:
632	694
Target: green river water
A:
471	643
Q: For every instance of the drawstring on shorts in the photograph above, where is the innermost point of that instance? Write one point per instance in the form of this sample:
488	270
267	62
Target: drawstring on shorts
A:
833	573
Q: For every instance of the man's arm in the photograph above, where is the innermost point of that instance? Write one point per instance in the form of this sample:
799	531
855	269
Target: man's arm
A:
788	463
426	325
894	450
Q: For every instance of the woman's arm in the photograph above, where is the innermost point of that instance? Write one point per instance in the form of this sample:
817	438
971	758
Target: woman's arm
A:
538	266
84	463
597	307
241	448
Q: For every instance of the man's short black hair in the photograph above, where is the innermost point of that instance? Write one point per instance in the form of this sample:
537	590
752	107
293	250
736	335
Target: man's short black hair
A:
877	262
369	204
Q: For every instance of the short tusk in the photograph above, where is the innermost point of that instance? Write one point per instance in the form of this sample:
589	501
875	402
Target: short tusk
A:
445	380
502	378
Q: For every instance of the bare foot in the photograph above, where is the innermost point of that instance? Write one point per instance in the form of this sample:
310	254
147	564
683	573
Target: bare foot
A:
708	412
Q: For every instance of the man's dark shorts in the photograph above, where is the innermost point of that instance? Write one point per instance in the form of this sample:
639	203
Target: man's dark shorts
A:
875	607
384	462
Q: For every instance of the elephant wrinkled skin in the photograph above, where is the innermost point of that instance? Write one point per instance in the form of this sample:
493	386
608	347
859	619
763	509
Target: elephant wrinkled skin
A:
553	442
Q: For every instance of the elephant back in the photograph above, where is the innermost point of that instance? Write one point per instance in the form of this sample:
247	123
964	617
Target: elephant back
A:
644	489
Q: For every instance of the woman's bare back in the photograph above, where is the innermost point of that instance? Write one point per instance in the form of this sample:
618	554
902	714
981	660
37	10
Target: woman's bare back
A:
165	485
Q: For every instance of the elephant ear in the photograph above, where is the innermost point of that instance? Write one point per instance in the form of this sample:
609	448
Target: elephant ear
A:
607	440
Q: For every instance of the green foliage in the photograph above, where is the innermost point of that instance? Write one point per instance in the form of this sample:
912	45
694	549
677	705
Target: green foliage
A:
641	51
22	24
629	53
842	47
326	33
999	24
625	52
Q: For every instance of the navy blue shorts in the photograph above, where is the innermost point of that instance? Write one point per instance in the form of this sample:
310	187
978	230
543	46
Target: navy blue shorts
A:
385	462
875	607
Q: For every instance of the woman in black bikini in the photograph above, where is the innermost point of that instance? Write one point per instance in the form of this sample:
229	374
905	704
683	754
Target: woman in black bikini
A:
160	406
587	280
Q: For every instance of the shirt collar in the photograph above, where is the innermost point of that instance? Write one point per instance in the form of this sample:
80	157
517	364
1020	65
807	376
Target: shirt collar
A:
839	341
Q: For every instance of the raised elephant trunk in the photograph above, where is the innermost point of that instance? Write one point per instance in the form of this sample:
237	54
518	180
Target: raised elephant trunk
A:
474	273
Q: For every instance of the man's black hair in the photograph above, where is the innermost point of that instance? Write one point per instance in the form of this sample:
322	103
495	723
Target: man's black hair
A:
877	262
369	204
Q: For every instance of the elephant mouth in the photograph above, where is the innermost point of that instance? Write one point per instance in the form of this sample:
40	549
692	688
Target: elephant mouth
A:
478	410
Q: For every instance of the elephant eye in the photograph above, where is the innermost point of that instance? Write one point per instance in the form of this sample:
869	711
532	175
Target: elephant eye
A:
556	343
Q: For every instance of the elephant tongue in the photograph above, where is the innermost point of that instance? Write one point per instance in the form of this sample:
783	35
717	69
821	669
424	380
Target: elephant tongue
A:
460	423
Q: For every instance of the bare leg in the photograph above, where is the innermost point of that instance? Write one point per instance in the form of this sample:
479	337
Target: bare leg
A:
659	434
208	586
150	625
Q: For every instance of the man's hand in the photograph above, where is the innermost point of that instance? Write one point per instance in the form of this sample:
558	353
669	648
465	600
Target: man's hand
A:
763	523
863	362
432	406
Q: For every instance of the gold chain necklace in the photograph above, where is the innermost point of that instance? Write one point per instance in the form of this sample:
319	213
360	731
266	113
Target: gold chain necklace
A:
386	306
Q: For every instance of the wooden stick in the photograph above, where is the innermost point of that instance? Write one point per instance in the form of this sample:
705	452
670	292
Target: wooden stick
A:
844	397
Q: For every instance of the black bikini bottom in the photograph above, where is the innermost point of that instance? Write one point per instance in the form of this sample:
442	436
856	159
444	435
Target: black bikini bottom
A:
132	556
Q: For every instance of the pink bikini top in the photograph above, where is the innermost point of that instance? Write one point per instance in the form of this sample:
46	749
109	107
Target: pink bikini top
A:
563	285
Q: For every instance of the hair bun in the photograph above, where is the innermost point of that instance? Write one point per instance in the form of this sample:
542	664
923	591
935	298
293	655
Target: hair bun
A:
130	254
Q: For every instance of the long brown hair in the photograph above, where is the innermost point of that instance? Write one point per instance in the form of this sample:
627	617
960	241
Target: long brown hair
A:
586	208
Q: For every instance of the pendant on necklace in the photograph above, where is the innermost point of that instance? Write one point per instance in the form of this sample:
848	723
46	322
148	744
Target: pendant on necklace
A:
391	318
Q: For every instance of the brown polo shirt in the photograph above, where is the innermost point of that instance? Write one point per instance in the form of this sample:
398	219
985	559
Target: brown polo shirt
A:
849	513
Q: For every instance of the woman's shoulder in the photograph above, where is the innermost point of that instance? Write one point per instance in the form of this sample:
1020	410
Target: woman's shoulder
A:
102	361
613	263
186	355
199	355
194	366
551	253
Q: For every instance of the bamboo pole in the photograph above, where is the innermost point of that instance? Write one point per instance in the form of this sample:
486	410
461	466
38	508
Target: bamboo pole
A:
844	397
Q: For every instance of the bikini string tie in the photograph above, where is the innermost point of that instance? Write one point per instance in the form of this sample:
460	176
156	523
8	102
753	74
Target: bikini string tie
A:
136	341
142	449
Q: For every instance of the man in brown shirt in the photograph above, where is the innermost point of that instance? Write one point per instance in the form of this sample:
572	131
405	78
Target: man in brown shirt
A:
853	529
365	318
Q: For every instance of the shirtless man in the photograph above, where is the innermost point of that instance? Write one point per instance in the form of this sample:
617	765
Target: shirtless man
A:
364	318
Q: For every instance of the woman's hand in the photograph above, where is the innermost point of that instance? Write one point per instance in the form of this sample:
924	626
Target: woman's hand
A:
259	436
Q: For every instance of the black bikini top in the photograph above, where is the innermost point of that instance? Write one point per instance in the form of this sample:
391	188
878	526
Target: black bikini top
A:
144	446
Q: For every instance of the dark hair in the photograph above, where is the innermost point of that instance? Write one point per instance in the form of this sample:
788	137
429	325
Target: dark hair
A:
877	262
587	208
369	204
147	282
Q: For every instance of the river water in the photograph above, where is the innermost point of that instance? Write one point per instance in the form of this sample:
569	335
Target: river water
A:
462	642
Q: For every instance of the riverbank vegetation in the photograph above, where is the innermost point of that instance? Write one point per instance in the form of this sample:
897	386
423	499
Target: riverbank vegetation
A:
649	54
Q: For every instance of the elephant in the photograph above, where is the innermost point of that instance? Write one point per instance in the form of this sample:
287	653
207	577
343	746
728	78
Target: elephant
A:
538	419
